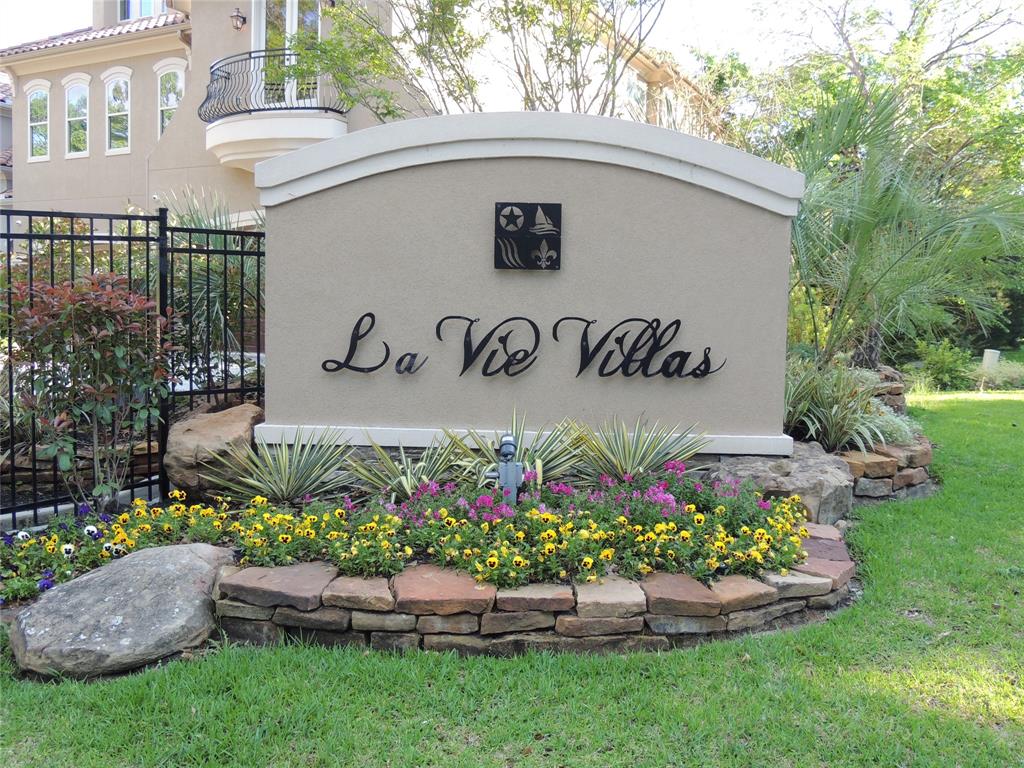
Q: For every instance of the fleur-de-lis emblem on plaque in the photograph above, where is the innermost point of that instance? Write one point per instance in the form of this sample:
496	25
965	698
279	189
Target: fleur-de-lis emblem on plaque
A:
543	255
528	236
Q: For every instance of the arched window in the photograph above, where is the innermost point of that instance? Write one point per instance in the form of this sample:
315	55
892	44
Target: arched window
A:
117	82
38	92
170	90
76	114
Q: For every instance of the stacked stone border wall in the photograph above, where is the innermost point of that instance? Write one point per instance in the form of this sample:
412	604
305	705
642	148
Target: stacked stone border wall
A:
437	609
891	472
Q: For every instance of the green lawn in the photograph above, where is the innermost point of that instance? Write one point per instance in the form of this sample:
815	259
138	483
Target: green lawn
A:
927	669
1017	355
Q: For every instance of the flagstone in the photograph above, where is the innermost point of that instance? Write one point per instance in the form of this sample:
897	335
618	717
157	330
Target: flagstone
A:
739	592
299	586
610	597
362	594
679	595
428	589
840	571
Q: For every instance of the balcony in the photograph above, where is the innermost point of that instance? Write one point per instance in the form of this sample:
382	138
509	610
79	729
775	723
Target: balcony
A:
254	112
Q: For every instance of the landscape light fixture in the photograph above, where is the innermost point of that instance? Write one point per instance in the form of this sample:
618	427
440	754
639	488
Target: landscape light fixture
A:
238	20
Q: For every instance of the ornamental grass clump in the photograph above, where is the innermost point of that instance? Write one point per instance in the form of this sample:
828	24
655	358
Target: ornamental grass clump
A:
658	521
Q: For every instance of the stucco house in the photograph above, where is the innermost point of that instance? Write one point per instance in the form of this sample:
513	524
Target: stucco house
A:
162	95
6	149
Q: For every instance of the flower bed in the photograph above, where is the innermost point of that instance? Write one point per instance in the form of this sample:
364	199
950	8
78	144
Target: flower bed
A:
665	522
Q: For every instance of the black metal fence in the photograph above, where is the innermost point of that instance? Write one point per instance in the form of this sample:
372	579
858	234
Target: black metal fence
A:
260	81
211	280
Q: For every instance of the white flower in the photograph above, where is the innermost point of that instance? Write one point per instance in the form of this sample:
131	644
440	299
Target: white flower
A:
67	550
107	546
24	536
91	530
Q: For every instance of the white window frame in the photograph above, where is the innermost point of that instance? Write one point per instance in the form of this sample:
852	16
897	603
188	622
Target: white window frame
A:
159	6
72	81
291	22
32	87
110	77
165	67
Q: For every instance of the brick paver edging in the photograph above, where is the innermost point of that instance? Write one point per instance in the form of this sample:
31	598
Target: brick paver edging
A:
438	609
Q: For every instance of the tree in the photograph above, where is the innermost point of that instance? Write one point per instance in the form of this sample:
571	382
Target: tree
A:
571	55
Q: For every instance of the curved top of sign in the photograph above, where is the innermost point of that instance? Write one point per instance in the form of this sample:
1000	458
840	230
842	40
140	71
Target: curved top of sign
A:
561	135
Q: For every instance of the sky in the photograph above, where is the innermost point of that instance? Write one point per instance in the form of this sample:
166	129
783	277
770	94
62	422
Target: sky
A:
720	25
764	33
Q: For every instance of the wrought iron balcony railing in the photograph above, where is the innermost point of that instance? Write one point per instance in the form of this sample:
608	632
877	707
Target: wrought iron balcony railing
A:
257	81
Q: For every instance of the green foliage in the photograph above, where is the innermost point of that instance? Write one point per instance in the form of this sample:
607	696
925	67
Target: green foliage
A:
98	359
894	428
1008	374
549	454
614	451
945	364
834	405
440	462
311	467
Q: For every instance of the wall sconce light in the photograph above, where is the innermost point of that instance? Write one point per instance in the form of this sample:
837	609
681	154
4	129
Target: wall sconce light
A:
329	3
238	20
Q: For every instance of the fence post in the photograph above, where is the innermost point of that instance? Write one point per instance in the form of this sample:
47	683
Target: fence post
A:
163	302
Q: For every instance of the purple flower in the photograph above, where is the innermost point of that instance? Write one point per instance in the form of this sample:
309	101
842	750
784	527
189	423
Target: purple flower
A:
529	476
48	573
764	504
83	510
561	489
8	539
45	584
105	518
484	501
698	487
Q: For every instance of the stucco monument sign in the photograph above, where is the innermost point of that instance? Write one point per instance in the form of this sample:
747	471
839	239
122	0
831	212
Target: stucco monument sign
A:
412	289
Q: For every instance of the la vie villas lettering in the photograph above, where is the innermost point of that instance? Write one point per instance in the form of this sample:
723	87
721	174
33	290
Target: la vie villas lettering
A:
635	346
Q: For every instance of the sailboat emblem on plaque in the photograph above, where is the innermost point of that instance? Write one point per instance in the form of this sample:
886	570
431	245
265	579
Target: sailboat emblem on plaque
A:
528	236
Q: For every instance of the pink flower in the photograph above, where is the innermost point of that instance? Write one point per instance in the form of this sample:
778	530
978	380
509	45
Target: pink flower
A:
484	501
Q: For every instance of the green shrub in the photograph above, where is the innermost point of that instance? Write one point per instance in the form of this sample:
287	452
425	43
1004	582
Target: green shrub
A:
894	428
1008	374
401	477
614	452
834	405
285	474
945	363
918	382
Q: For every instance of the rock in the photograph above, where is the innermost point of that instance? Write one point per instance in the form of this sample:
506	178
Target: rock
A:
796	584
887	373
510	645
325	637
464	645
920	454
738	592
839	571
577	626
612	596
873	488
908	477
901	453
333	619
147	606
427	589
827	550
223	571
757	617
238	610
359	593
819	531
822	480
868	464
515	621
537	597
394	641
679	595
299	586
383	622
198	439
661	624
922	491
246	632
897	402
455	624
831	599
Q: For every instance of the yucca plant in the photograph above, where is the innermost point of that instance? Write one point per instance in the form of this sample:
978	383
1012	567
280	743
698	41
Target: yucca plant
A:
550	453
314	466
440	462
834	405
615	450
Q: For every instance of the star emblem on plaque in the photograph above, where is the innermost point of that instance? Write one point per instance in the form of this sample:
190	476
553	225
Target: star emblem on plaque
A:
528	236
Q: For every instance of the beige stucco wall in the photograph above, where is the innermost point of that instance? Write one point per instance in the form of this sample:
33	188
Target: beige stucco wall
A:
415	244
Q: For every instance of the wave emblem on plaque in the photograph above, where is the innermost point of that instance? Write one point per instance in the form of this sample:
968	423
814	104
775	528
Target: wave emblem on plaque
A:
528	236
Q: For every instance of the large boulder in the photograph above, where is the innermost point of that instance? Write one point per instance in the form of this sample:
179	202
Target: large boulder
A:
204	436
148	606
822	480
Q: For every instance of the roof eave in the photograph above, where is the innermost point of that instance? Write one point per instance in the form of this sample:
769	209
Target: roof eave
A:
169	29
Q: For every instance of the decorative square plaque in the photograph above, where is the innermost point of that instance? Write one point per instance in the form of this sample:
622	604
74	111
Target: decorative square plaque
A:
528	236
